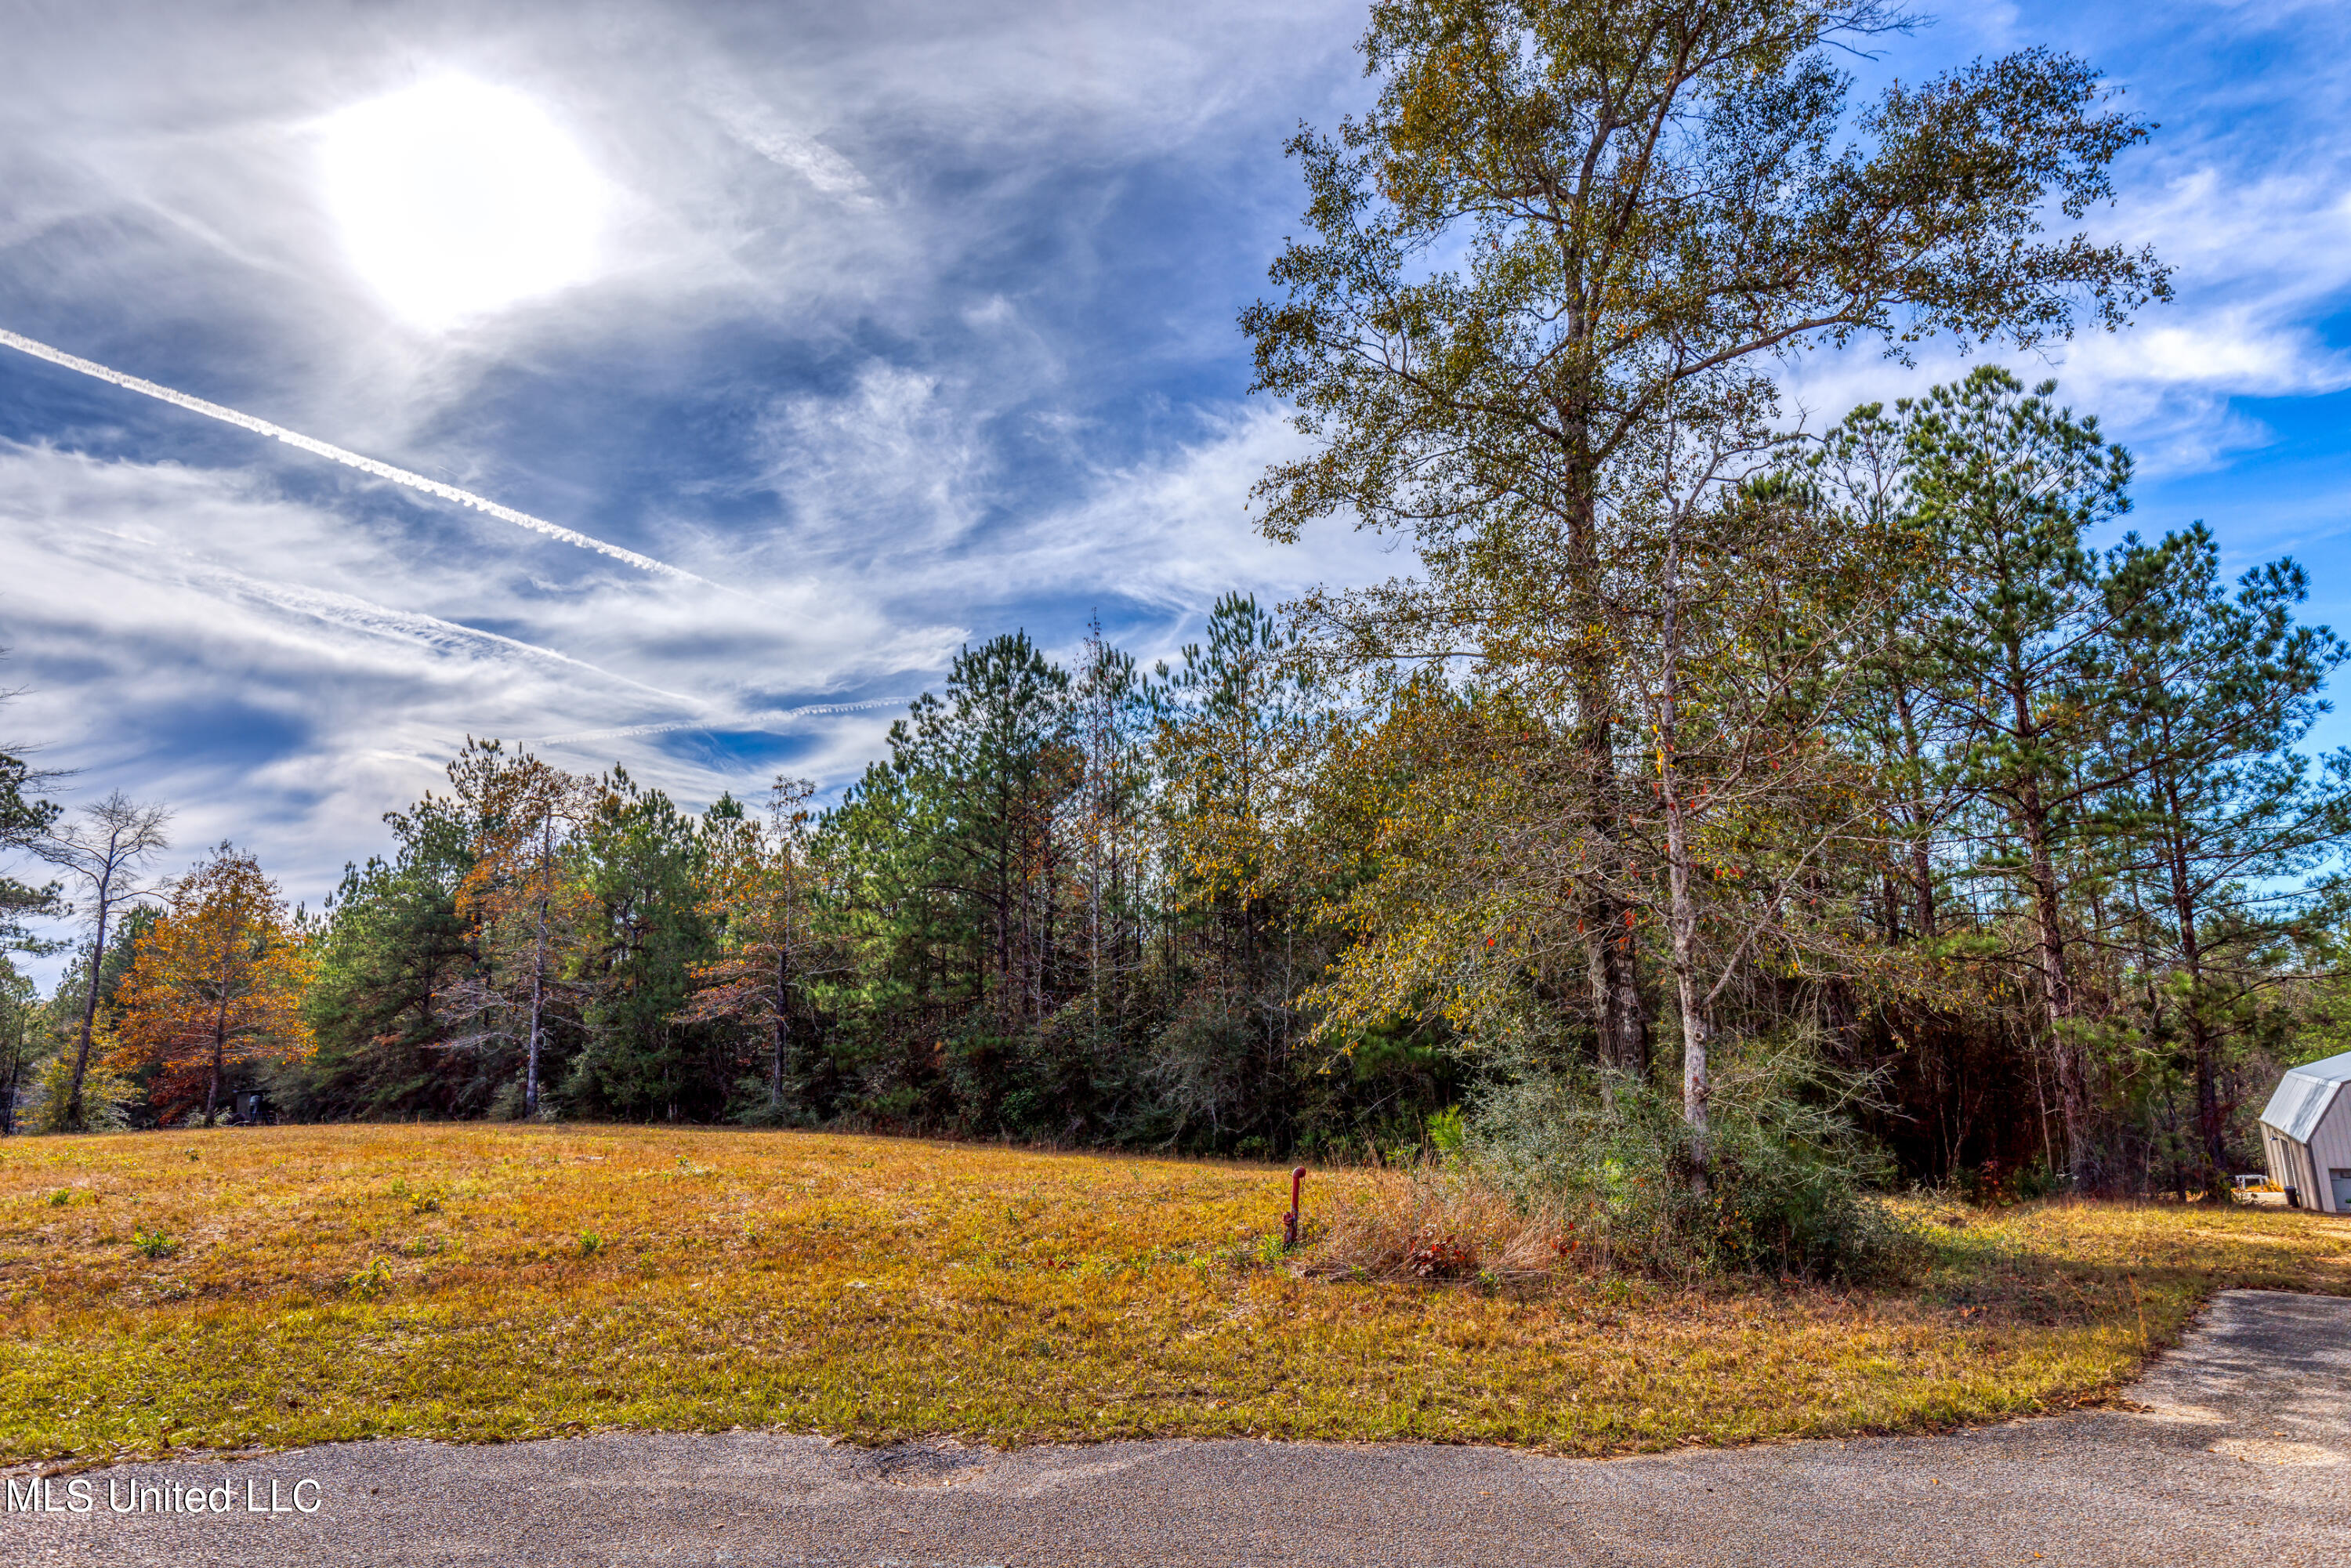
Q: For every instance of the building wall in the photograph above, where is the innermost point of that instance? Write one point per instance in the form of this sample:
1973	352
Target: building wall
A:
2272	1156
2289	1164
2330	1147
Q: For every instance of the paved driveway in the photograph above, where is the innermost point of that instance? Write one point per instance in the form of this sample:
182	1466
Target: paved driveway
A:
2240	1458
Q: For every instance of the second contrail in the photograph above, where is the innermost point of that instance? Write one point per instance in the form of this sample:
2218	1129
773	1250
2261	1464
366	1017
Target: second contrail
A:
349	459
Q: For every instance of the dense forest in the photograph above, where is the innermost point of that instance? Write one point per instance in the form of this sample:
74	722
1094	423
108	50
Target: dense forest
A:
1705	757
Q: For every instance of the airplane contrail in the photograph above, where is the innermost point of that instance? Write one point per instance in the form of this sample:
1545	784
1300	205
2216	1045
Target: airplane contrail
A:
747	721
349	459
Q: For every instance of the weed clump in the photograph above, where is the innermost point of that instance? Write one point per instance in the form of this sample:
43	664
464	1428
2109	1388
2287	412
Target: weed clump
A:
424	1200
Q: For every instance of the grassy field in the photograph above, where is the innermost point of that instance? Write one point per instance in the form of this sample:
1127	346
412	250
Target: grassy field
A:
226	1290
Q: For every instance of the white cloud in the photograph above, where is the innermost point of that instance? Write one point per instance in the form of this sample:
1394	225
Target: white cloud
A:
325	672
1177	532
890	464
340	667
760	128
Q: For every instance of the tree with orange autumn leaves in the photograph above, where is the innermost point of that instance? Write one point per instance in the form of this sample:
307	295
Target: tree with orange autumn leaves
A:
215	983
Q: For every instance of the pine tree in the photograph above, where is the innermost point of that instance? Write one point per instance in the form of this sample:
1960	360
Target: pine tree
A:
1239	726
519	816
2007	483
2219	824
394	956
635	872
759	901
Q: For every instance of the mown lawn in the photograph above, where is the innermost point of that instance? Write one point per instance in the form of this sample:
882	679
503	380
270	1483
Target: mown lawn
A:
276	1287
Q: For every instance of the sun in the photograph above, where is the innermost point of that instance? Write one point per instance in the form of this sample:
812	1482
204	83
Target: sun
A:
458	198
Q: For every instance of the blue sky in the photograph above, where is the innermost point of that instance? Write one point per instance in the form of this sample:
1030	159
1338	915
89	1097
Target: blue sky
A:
905	323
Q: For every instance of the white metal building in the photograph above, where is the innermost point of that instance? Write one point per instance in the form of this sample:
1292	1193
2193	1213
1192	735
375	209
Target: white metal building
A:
2306	1134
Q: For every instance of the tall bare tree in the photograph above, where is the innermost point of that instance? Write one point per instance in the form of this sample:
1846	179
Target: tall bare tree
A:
104	851
1736	637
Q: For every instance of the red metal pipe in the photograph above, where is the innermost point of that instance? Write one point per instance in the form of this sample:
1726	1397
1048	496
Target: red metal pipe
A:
1289	1220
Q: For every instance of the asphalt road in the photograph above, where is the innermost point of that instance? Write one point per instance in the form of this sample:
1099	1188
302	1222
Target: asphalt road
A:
2243	1456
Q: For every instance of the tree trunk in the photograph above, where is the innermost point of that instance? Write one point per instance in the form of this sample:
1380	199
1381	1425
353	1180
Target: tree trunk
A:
212	1080
1682	916
15	1071
1616	989
1606	920
1922	871
1695	1016
2031	818
783	1032
537	1003
1922	862
1003	955
90	1004
2209	1128
2057	993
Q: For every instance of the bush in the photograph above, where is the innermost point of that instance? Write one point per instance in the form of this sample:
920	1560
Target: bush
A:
106	1097
1789	1191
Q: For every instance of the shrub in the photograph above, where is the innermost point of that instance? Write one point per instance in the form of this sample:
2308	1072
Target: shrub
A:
1993	1185
106	1097
1789	1190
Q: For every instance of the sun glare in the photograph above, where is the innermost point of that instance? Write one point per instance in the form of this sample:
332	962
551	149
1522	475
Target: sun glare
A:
458	198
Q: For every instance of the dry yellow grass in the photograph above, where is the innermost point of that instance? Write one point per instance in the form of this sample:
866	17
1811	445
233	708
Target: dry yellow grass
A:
297	1285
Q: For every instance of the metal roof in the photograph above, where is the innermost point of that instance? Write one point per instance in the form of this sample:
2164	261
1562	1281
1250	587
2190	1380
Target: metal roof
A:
2305	1093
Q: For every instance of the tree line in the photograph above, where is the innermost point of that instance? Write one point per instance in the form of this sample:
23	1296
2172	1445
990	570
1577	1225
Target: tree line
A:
1698	735
1070	906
